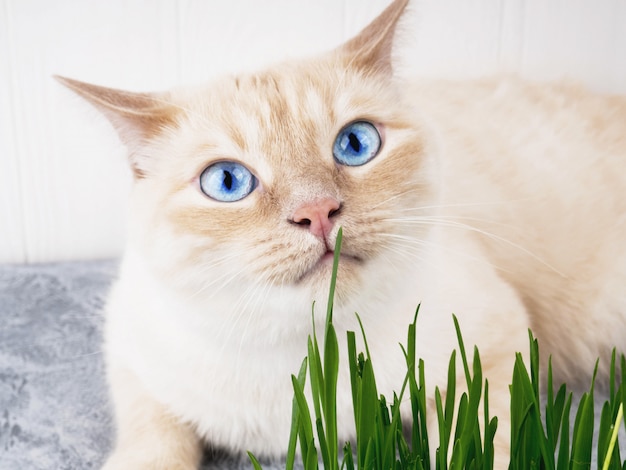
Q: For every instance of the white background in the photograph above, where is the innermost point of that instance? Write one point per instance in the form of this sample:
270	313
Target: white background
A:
63	177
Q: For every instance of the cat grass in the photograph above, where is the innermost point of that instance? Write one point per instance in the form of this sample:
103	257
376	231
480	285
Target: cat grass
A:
541	434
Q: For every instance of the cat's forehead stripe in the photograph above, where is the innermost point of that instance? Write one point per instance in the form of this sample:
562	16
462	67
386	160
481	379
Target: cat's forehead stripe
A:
278	114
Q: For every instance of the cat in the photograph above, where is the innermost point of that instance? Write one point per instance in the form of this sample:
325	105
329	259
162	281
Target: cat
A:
499	200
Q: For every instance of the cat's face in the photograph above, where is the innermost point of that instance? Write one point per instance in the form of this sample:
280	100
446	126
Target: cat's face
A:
267	141
231	178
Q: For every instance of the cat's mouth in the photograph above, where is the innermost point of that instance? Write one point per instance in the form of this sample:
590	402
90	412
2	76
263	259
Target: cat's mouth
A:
323	266
329	257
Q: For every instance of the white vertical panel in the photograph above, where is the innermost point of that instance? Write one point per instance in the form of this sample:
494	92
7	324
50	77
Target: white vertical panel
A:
12	242
63	175
511	38
615	80
226	37
541	39
357	14
72	172
576	39
456	38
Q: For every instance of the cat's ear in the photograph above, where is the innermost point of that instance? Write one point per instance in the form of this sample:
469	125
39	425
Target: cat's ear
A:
137	117
371	49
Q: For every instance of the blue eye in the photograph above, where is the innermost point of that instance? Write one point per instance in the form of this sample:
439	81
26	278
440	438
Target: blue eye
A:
357	144
227	181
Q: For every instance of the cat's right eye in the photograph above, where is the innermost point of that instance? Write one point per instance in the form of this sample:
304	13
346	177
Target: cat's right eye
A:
227	181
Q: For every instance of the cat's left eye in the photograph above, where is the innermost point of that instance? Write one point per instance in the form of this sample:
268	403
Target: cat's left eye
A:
357	144
227	181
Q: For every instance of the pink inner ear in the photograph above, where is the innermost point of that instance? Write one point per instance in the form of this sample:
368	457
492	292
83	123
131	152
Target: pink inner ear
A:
317	216
137	117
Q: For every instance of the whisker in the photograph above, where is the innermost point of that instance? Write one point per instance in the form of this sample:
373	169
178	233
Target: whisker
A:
428	243
435	221
414	251
473	204
226	277
394	197
253	313
452	217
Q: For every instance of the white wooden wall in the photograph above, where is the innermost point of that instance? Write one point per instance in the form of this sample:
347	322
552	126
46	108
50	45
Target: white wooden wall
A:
63	179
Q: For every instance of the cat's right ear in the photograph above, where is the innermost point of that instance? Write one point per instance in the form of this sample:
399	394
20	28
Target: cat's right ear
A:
137	117
370	50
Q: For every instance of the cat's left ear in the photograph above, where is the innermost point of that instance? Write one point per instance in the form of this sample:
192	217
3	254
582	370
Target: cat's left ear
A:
371	49
137	117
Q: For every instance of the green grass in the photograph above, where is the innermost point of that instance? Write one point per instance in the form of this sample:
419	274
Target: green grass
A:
541	435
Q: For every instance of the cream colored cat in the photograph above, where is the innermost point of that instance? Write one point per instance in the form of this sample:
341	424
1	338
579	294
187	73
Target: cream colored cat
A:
501	201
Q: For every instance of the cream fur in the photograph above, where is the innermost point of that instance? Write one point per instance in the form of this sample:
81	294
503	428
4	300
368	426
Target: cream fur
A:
498	200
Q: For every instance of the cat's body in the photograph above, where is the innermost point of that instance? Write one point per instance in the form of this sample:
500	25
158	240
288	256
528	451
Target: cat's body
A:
540	169
496	200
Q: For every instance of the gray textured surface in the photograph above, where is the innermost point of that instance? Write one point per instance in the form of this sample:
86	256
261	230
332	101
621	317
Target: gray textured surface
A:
54	410
53	406
54	413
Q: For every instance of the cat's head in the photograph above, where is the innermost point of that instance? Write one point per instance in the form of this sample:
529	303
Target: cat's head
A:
246	181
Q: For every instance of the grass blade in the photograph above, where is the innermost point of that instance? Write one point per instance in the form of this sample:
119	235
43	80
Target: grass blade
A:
450	402
255	463
348	461
331	373
468	377
316	373
616	426
333	277
367	406
583	430
354	375
295	420
311	459
306	426
564	445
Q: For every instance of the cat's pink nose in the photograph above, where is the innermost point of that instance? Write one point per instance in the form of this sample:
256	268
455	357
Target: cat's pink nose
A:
317	216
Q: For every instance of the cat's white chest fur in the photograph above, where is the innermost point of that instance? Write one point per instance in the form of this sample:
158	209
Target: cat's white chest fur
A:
230	376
